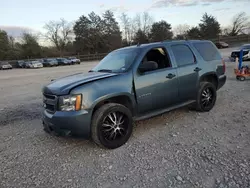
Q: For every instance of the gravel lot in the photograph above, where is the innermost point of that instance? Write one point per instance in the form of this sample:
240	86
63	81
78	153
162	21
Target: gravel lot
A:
178	149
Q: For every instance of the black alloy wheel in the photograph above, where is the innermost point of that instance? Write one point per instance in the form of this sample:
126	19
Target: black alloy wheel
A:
206	97
111	125
115	126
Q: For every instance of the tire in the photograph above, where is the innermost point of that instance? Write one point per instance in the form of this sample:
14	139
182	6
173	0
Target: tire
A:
45	129
206	103
103	115
242	78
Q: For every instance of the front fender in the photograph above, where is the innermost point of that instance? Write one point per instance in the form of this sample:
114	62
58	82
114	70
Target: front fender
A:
104	89
113	95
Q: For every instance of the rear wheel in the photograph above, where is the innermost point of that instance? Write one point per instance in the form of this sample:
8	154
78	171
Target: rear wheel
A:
242	78
111	125
206	97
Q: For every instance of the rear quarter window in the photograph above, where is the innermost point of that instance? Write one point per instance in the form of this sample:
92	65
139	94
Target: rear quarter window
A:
207	51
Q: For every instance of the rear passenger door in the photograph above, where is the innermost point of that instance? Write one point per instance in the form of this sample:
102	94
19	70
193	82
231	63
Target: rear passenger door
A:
188	71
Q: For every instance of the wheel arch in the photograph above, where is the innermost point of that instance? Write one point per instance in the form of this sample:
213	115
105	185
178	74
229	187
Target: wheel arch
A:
210	77
122	98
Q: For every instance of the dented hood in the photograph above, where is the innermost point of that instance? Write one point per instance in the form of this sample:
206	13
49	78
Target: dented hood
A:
62	86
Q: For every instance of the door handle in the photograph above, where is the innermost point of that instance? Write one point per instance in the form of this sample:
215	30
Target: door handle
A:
197	69
170	76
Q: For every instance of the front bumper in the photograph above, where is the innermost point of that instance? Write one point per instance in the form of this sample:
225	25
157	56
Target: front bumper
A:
221	81
6	67
68	122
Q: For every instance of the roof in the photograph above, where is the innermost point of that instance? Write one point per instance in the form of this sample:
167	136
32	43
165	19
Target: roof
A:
158	43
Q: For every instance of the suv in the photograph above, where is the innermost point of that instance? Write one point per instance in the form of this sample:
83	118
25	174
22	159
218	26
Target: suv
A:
50	62
133	83
63	61
20	64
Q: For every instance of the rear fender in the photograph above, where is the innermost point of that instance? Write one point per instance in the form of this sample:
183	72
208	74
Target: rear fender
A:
210	76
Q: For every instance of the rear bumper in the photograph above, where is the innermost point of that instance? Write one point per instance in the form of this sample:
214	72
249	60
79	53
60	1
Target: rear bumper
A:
221	81
68	122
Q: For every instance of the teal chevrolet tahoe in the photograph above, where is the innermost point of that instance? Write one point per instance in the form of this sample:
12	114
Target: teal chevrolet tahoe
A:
130	84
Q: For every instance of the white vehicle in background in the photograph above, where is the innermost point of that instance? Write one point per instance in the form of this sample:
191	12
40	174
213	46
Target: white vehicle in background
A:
246	53
5	65
74	60
34	64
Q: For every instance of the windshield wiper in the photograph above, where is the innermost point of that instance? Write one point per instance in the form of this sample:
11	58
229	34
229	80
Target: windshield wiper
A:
104	70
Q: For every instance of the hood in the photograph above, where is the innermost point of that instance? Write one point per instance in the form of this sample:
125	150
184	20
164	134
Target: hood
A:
244	50
62	86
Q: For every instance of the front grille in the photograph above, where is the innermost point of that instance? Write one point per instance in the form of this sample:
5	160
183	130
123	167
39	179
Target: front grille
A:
50	103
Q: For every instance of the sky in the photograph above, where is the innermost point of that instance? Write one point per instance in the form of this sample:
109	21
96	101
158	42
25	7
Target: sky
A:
19	15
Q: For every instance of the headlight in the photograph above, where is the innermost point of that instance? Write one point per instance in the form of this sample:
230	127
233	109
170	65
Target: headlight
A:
70	103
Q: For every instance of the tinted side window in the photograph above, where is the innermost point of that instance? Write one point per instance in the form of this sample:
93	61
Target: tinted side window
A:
158	55
207	51
183	55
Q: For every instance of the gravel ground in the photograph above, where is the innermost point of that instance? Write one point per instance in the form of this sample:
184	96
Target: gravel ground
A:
181	148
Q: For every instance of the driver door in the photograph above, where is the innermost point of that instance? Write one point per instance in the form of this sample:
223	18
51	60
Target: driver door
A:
156	89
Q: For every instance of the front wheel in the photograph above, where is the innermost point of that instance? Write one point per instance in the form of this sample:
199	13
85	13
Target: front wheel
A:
112	125
206	97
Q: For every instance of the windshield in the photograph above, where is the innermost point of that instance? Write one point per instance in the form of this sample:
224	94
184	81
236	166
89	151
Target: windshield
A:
117	61
4	63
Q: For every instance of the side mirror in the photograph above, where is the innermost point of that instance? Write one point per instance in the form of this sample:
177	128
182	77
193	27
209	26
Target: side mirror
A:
148	66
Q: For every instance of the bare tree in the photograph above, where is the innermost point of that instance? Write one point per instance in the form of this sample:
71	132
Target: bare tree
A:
126	26
143	22
224	31
181	29
12	41
131	26
240	23
147	22
59	33
137	21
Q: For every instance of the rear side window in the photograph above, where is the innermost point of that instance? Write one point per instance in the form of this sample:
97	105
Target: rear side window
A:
183	55
207	51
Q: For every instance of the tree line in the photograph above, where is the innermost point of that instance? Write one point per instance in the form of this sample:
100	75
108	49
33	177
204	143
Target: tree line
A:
95	33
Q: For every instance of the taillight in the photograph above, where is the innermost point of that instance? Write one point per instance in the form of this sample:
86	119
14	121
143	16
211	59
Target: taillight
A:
224	65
